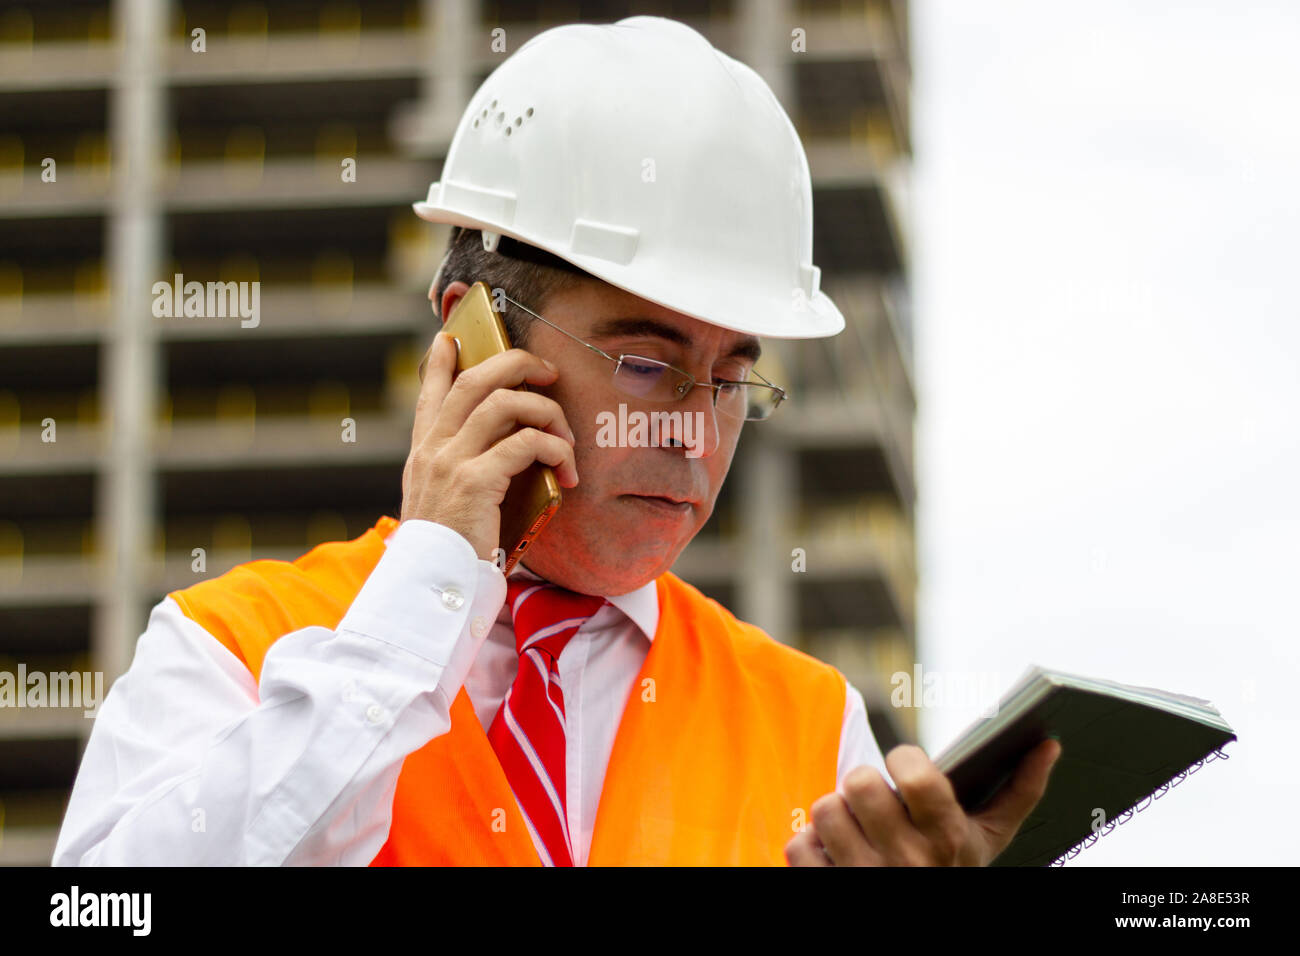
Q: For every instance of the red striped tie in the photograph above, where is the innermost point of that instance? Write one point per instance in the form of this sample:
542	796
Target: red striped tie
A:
527	733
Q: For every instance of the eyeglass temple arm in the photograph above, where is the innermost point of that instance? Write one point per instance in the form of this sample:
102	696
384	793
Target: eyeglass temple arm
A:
600	351
558	329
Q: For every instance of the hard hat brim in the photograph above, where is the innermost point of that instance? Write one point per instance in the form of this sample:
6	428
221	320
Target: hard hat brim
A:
815	315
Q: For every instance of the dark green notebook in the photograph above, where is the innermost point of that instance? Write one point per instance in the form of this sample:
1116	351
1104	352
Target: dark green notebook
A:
1121	748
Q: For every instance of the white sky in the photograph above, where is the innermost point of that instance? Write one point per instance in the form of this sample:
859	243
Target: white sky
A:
1106	234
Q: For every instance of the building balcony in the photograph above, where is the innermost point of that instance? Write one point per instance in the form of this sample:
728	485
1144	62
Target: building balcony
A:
28	846
77	191
52	65
241	59
292	183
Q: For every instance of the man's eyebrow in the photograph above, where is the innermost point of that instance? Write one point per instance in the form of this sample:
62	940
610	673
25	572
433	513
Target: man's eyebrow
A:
748	347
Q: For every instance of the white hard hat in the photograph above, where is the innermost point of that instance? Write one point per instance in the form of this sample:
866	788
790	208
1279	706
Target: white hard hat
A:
646	157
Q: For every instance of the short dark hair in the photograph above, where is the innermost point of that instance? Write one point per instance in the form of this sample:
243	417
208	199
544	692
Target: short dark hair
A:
528	274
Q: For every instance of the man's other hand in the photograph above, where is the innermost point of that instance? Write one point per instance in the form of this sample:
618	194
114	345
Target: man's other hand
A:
922	824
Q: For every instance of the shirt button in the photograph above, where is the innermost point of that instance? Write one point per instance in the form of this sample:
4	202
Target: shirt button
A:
374	713
478	627
452	599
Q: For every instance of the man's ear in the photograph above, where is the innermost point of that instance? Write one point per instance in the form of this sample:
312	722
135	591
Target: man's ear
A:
433	301
454	292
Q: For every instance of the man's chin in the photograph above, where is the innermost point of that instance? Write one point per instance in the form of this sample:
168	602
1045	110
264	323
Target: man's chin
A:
600	571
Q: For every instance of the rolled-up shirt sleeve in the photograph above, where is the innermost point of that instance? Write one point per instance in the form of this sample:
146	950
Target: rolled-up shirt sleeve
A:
193	762
857	743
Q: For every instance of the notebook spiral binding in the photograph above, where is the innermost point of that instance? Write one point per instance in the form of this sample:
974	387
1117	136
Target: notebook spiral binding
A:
1141	805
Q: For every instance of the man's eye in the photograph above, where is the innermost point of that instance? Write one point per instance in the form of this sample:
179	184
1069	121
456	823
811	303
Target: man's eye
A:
638	368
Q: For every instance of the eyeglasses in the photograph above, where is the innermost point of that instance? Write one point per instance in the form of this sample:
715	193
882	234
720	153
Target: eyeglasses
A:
653	380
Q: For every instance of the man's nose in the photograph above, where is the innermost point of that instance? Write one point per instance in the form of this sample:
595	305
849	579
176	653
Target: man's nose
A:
698	429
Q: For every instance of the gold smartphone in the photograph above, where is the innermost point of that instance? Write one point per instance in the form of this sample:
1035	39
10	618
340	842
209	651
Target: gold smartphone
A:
534	494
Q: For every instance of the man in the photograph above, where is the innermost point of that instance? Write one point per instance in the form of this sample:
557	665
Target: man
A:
395	699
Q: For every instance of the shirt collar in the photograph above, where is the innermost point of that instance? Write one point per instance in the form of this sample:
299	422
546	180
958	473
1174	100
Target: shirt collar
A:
641	605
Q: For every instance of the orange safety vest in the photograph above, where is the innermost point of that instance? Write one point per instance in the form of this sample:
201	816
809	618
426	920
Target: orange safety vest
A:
725	741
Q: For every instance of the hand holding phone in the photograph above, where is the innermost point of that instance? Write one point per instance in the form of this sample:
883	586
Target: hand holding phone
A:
481	467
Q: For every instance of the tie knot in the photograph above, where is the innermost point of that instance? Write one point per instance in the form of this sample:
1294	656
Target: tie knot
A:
545	615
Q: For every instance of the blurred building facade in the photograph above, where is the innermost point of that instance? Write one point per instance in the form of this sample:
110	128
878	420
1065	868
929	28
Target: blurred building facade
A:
139	454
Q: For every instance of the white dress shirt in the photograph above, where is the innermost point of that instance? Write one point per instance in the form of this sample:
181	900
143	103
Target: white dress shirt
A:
193	762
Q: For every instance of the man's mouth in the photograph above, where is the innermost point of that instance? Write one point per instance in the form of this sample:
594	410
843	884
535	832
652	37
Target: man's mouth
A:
664	502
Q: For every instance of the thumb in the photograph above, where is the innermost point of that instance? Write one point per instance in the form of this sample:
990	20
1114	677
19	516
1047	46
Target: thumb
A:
1008	809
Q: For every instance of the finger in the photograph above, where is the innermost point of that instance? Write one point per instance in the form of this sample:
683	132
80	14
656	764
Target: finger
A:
805	850
838	830
1021	794
882	816
424	362
931	802
508	369
503	412
513	454
437	369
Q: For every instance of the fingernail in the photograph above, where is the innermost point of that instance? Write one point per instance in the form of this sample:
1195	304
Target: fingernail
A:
551	365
